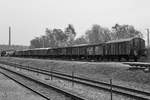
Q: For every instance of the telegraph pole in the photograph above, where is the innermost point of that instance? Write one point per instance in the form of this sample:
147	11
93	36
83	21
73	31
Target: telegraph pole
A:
147	37
9	36
43	43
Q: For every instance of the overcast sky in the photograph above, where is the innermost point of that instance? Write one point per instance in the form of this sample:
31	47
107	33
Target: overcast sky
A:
29	18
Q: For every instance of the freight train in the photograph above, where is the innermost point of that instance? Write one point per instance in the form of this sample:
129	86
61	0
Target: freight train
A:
131	48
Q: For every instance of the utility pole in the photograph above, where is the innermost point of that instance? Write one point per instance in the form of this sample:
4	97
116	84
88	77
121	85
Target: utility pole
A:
147	37
43	41
9	36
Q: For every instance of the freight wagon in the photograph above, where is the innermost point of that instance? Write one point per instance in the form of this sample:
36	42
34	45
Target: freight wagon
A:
131	48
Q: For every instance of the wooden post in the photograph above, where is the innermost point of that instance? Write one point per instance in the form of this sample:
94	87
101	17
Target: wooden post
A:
73	71
48	72
28	67
110	89
51	73
20	67
37	71
72	78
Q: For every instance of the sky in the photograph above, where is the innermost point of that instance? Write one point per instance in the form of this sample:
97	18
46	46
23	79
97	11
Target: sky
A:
29	18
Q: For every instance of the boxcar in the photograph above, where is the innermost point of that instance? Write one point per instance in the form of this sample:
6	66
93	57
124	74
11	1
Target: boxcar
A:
99	51
38	52
18	53
82	52
75	52
69	52
62	52
50	52
125	48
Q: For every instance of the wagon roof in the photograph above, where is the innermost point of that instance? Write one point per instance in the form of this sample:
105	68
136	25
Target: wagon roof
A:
121	40
80	45
40	49
34	49
87	45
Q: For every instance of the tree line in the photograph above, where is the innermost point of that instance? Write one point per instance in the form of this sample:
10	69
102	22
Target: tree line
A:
97	34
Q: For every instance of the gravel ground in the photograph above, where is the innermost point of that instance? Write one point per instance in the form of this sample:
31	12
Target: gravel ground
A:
92	93
10	90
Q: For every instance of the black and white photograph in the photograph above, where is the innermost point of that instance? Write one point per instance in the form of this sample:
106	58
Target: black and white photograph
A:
74	49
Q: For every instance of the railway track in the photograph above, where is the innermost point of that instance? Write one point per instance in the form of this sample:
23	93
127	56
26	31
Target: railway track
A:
14	75
133	93
141	64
